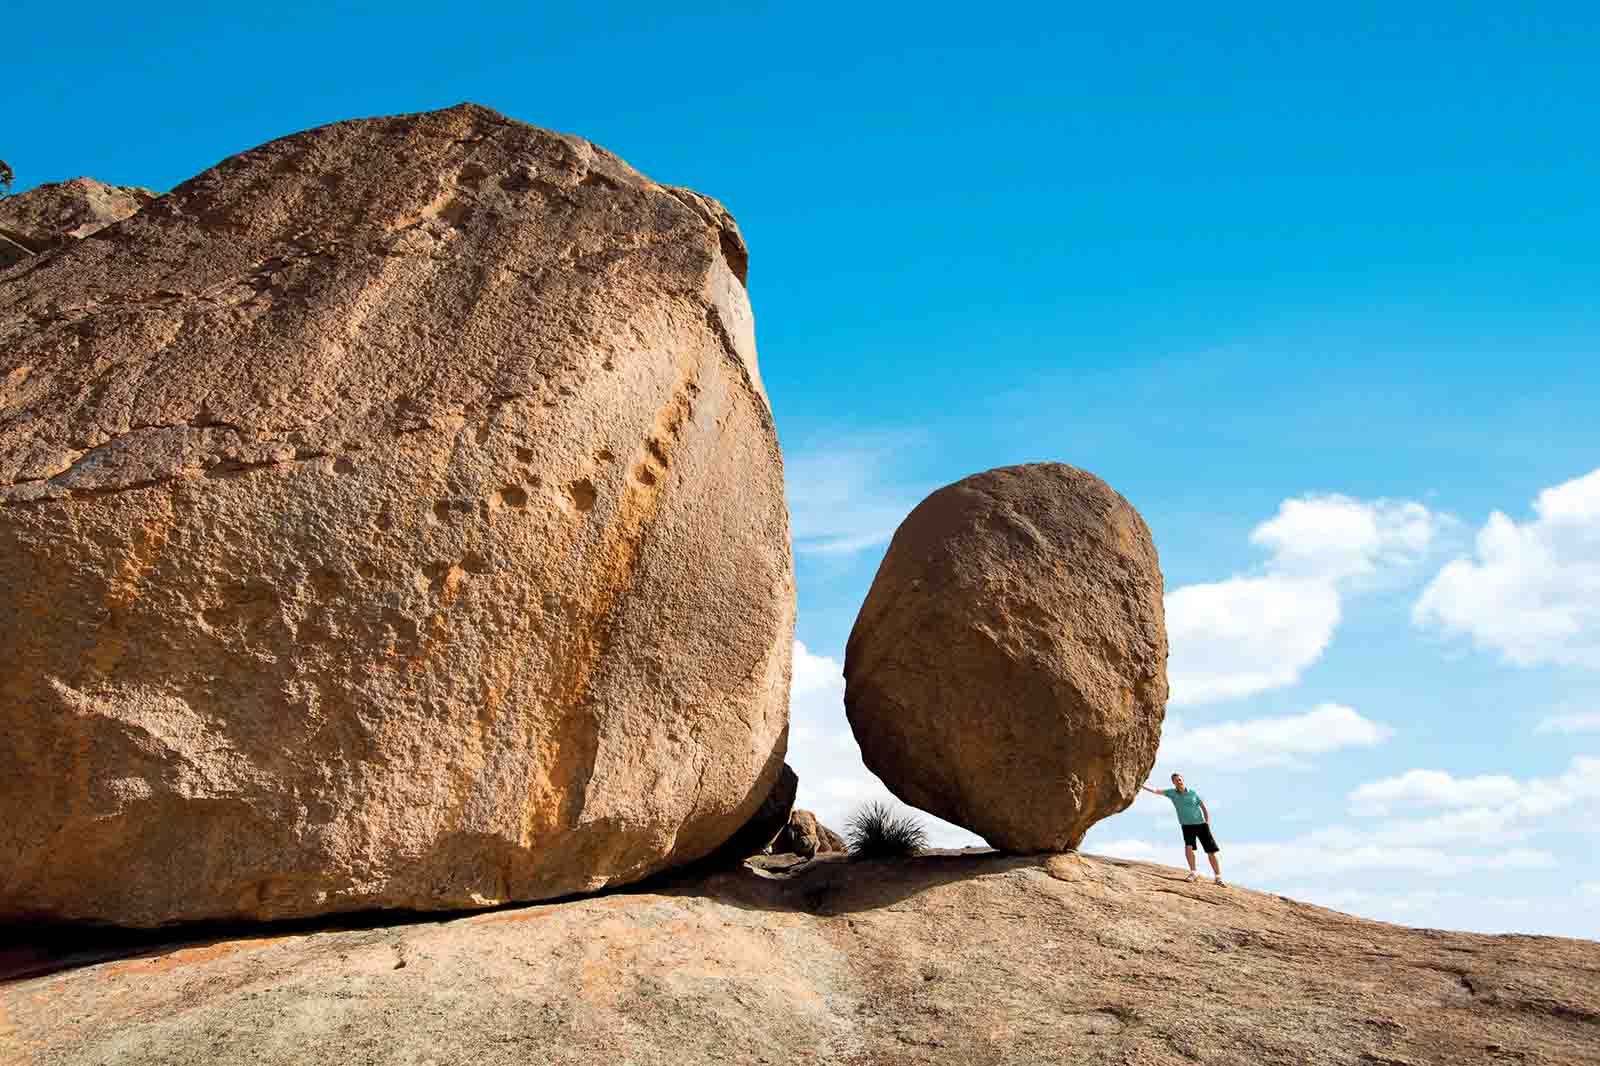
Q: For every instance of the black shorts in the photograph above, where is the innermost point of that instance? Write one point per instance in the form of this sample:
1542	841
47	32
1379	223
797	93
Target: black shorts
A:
1202	833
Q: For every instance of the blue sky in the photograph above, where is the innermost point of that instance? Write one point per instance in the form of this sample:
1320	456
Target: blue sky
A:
1316	292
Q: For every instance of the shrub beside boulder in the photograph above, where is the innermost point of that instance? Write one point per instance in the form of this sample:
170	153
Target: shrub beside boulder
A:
878	831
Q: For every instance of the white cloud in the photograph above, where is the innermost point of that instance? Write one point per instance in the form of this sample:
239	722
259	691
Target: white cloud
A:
1577	722
1432	788
849	790
1415	902
1250	634
842	498
814	675
1245	635
1128	848
1336	537
1559	914
1488	809
1472	826
1480	826
1310	859
1278	741
1530	591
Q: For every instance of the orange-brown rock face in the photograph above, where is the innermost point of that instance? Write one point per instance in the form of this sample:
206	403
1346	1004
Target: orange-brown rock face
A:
391	516
52	216
1008	669
974	959
767	823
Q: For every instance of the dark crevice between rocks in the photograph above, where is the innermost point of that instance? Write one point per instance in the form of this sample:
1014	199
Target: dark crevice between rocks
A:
15	244
831	886
41	946
44	946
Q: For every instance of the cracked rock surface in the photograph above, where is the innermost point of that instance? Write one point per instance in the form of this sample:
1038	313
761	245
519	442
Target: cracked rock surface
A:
54	216
976	959
390	516
1008	670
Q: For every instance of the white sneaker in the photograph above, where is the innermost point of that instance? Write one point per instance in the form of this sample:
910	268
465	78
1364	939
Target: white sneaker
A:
1192	876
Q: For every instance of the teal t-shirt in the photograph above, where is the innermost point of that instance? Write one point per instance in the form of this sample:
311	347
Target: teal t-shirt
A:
1188	804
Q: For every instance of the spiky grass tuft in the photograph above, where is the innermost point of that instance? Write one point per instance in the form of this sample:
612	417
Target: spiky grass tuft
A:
875	831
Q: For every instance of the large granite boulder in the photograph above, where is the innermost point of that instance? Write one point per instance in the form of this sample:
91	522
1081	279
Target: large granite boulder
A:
52	216
390	516
1008	670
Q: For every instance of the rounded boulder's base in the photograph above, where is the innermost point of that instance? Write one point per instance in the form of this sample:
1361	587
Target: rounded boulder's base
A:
390	516
1007	671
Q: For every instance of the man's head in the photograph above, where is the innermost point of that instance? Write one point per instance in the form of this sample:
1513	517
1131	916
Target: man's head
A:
1177	782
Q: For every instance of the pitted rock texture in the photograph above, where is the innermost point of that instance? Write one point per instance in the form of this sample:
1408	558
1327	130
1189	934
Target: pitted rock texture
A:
52	216
1008	670
390	516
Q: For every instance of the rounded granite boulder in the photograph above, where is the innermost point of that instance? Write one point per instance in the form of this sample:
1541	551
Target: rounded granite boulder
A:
1007	671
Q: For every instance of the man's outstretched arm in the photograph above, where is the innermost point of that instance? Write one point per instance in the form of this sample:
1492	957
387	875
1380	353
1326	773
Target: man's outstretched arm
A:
1152	791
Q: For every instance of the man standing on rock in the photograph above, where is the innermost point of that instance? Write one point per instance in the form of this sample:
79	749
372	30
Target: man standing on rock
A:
1195	820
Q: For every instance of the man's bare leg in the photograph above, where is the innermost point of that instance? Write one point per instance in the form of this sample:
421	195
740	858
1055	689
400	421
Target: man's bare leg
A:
1188	853
1216	867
